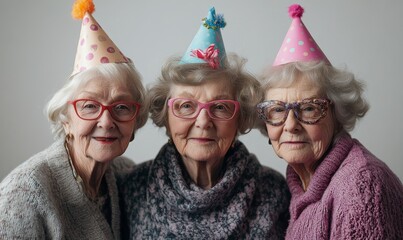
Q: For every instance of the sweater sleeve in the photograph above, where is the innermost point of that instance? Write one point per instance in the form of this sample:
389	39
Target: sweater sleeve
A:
20	209
374	209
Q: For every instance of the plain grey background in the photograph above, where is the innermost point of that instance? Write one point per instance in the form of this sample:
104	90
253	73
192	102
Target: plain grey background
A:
39	40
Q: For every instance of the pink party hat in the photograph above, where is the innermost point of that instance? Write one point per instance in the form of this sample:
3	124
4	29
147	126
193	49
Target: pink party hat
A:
94	46
298	44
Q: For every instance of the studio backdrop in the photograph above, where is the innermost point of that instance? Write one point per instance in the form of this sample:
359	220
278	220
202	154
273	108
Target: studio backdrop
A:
39	40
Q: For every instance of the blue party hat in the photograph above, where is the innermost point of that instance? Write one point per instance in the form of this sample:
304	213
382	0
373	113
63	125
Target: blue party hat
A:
207	46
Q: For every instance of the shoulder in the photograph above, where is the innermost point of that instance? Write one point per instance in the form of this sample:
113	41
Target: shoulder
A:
134	177
266	174
34	172
270	182
269	173
122	163
367	192
363	167
140	172
25	194
133	186
273	179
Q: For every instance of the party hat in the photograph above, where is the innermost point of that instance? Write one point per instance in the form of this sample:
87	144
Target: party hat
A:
94	46
298	44
207	45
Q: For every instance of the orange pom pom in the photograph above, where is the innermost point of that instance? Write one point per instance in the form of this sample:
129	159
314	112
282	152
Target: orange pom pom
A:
80	7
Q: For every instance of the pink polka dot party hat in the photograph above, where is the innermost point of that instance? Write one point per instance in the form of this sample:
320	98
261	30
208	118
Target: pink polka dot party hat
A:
298	44
94	45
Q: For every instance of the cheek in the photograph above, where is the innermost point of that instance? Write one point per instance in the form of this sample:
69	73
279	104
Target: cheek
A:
321	137
273	132
127	129
81	129
227	130
177	127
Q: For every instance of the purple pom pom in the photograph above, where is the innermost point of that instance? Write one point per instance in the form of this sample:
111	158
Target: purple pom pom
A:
295	11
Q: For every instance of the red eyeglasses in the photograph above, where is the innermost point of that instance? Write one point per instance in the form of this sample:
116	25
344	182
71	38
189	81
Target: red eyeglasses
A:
88	109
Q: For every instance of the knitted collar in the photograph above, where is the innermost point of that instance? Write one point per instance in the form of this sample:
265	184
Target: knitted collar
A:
321	178
177	203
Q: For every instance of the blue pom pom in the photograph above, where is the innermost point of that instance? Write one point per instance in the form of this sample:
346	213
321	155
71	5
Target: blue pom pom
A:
216	22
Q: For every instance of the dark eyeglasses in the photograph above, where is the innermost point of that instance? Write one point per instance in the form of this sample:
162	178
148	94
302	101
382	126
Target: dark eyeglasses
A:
189	108
309	111
88	109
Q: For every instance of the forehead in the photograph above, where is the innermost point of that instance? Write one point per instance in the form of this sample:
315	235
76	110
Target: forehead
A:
102	87
298	90
214	88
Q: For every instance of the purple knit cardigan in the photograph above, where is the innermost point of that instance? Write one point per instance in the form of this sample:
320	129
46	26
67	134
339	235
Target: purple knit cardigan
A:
352	195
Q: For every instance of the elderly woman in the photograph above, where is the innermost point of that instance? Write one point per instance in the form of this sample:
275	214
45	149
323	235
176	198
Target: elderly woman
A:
69	191
339	189
203	183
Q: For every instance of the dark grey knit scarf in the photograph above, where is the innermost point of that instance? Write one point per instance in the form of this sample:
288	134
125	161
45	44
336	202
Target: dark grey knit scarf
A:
236	207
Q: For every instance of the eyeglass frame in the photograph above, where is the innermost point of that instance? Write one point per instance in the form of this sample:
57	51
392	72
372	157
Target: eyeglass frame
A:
206	106
323	102
103	108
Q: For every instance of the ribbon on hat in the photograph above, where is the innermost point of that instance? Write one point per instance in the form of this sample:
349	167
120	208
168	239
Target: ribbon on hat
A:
210	55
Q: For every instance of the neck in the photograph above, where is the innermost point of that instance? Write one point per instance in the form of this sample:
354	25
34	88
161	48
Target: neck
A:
305	174
90	171
205	174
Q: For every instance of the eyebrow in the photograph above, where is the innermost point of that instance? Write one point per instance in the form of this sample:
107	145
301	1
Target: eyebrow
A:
306	98
219	97
95	96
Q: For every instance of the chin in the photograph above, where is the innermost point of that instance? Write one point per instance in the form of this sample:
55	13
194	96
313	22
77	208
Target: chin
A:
201	157
296	160
104	157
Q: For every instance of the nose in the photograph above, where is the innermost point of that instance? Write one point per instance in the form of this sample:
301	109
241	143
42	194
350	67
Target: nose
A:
106	120
203	120
291	123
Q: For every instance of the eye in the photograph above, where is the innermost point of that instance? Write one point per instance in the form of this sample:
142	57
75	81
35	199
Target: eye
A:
275	112
186	105
88	105
276	109
122	107
309	107
222	106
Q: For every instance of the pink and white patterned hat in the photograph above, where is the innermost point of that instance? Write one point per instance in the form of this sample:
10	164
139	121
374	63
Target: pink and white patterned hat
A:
298	44
94	46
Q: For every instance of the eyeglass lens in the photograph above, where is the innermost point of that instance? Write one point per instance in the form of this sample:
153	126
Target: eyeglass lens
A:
307	111
91	110
188	108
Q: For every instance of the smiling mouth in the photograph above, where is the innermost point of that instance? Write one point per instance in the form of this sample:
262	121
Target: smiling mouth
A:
105	139
293	143
202	139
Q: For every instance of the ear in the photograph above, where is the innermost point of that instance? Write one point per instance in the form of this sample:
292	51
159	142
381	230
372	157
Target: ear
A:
167	129
66	127
132	138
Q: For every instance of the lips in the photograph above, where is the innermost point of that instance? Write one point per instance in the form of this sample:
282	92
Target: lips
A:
105	139
293	141
203	139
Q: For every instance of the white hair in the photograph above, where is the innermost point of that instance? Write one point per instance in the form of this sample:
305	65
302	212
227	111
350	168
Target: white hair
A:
56	108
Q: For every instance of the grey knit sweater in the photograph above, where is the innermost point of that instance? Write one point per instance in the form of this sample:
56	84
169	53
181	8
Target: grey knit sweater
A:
41	199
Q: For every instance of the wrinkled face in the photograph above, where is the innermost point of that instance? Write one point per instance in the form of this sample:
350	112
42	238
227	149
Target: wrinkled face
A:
296	142
203	138
105	138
